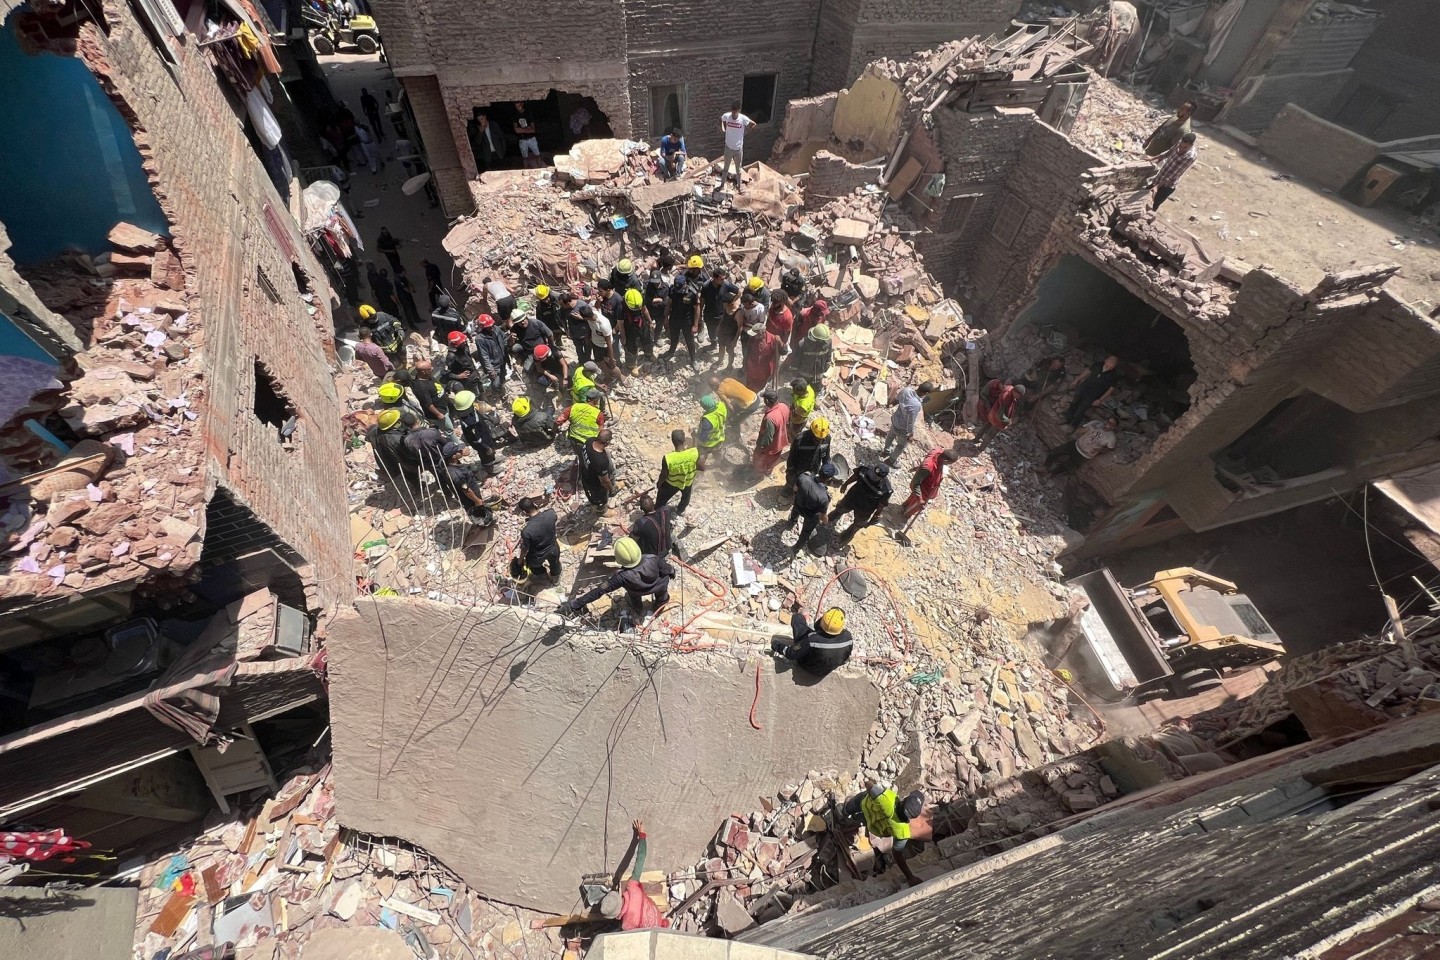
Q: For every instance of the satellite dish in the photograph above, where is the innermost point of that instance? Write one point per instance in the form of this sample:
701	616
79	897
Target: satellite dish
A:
415	184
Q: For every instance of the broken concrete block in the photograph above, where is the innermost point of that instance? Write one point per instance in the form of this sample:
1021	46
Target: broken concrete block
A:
1078	801
815	823
868	286
133	239
732	916
847	231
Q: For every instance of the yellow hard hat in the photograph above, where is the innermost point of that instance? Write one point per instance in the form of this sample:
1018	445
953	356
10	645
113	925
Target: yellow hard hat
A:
820	427
627	552
695	262
389	418
754	283
390	392
463	400
542	291
820	332
634	299
521	407
833	621
625	266
366	311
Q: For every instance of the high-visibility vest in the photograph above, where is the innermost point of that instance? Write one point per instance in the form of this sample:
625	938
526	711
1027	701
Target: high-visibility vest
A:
802	406
880	816
717	419
584	422
579	384
680	467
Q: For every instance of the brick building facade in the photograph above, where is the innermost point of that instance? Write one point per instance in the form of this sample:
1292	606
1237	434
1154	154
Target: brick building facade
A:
632	57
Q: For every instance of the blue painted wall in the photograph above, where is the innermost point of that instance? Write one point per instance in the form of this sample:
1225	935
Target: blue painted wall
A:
70	169
15	342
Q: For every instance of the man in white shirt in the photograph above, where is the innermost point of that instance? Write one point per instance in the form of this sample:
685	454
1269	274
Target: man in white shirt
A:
1091	440
602	342
733	125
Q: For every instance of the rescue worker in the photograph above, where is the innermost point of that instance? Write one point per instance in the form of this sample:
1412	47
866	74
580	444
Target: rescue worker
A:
584	420
886	816
641	575
392	396
490	353
445	319
635	327
548	310
654	530
461	371
387	442
998	406
389	333
810	449
677	472
531	426
812	502
549	369
474	424
813	357
761	356
597	473
802	405
925	482
538	548
460	480
807	320
817	649
623	276
424	449
583	379
684	313
865	494
739	399
774	434
711	432
527	333
757	289
576	326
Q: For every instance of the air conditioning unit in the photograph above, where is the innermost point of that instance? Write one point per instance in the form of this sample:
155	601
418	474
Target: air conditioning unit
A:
292	631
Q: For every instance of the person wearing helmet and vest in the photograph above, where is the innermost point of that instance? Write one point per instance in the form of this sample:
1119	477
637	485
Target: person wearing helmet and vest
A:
813	315
623	276
584	419
461	371
597	471
808	453
389	333
490	353
474	423
635	328
757	289
802	405
387	442
761	353
549	369
811	503
818	649
531	426
865	494
684	313
677	472
889	817
814	357
641	575
774	435
710	434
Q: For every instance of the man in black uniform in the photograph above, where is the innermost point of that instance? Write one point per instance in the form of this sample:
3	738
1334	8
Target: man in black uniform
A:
576	326
597	473
817	651
812	500
538	545
684	313
478	427
640	575
809	451
460	480
655	528
387	440
866	493
713	296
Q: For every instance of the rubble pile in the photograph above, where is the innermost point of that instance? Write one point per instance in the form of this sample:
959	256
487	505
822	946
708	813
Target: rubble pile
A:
268	882
1115	119
128	500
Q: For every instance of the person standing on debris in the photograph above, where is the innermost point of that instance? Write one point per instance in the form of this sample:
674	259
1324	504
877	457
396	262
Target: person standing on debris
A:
371	108
925	482
713	295
684	313
809	452
1091	440
814	357
434	286
886	816
549	369
812	502
630	904
491	354
387	442
531	426
549	311
368	353
677	472
657	292
461	371
575	325
597	473
781	319
1180	158
635	329
909	405
1169	133
424	448
608	300
525	134
761	355
865	494
460	480
584	419
389	334
474	422
672	154
757	289
405	293
727	333
802	406
1093	387
997	408
539	548
654	530
501	297
623	276
602	341
392	396
774	435
711	432
733	125
816	650
808	319
640	576
388	245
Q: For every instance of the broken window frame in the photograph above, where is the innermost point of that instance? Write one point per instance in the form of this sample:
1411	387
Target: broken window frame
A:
747	107
658	126
957	212
1013	211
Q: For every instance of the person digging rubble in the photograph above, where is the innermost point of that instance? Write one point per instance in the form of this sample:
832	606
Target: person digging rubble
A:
677	472
460	480
1043	378
654	530
814	357
538	549
998	406
490	353
684	312
597	472
761	352
802	406
1092	387
630	904
387	442
818	649
549	369
635	328
808	453
641	575
909	407
476	424
925	482
531	426
583	379
500	296
583	420
865	494
887	817
710	434
774	436
623	276
1089	442
389	333
811	503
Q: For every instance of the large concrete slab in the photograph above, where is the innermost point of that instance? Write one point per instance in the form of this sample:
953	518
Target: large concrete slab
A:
520	753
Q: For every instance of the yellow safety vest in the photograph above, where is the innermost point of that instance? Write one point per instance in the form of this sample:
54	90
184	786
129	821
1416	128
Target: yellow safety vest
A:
803	406
584	422
880	816
717	425
680	467
579	384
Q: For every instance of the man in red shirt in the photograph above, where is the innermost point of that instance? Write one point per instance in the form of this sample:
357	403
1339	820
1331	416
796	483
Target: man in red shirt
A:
782	320
925	482
817	312
761	356
998	404
774	435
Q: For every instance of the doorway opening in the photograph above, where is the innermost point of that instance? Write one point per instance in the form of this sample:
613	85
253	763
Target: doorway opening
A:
560	121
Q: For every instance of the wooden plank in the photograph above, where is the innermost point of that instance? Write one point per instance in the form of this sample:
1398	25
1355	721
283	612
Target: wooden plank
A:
176	909
410	910
905	179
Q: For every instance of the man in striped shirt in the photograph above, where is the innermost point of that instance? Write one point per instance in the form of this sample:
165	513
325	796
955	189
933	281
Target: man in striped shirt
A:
1180	158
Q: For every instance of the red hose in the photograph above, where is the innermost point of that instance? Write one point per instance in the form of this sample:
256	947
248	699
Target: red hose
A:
756	702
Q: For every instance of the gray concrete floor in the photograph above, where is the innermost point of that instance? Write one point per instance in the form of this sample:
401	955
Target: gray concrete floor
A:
375	200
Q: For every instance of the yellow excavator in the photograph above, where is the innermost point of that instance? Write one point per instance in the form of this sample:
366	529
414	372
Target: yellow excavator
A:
1178	633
